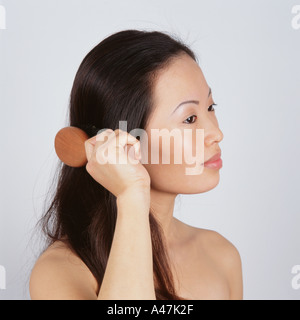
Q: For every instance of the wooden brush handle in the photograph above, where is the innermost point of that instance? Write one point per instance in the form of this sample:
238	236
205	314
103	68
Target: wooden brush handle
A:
69	146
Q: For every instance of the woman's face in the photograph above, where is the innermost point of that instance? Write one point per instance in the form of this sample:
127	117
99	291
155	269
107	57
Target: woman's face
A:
182	81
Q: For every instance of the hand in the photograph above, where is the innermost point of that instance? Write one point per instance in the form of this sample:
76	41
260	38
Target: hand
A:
109	164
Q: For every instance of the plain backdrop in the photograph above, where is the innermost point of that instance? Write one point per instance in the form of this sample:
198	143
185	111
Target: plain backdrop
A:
249	53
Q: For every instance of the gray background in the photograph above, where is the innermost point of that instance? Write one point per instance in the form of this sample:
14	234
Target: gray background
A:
249	54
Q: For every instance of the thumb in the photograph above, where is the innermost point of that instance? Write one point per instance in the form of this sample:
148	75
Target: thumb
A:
89	147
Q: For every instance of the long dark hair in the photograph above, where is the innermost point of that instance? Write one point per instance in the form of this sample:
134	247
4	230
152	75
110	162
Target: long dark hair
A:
114	82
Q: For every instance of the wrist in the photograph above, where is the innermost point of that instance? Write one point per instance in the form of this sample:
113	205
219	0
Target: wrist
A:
135	197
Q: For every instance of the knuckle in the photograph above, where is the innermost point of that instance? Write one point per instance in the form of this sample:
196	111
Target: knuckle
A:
123	133
89	167
100	137
108	131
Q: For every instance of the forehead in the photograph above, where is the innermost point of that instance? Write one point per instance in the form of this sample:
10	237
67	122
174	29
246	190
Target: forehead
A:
181	80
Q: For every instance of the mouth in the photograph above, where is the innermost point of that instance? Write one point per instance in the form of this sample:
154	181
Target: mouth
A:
217	156
215	162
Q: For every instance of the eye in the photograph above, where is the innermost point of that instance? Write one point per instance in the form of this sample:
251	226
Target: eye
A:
210	109
189	120
212	106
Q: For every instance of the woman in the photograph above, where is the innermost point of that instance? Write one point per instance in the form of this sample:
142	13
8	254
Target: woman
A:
112	234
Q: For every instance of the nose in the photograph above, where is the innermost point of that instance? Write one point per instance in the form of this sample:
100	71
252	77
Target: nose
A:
213	135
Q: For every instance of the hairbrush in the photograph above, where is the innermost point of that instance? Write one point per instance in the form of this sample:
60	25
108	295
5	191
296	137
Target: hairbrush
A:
69	144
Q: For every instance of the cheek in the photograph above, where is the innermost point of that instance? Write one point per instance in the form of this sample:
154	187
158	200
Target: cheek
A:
171	176
193	148
160	164
169	149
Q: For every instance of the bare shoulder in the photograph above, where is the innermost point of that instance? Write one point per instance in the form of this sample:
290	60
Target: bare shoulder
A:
59	274
218	245
226	256
210	239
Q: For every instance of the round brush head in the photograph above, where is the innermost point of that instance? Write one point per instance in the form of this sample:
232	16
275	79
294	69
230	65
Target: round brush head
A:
69	146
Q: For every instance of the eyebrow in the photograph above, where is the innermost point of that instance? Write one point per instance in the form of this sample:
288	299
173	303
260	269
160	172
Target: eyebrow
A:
190	101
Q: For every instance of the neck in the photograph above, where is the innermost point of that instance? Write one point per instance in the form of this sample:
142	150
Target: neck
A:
162	207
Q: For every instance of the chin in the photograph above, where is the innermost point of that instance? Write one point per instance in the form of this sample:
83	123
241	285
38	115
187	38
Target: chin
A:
212	181
204	184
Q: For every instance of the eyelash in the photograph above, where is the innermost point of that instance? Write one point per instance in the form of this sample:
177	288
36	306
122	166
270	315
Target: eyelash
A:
196	116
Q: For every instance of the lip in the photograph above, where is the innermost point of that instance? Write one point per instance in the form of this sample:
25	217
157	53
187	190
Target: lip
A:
215	162
214	158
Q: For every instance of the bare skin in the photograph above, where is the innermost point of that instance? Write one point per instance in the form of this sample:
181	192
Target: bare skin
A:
205	265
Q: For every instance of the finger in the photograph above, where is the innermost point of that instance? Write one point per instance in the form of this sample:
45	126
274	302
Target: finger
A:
116	145
102	139
116	142
125	139
136	149
133	151
89	148
90	144
119	138
102	135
